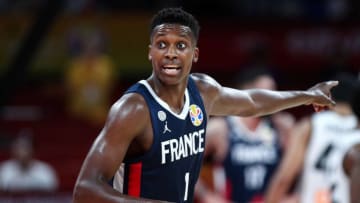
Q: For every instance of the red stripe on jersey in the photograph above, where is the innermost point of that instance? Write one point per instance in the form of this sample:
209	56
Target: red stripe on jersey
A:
228	189
134	179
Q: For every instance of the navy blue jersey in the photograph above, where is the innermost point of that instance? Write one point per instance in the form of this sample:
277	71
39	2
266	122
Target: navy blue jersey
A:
250	161
170	169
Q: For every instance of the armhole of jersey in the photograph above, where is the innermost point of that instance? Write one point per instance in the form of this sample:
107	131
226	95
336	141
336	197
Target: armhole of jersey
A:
192	83
155	137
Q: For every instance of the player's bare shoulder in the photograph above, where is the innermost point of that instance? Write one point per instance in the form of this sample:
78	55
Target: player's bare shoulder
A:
207	85
130	111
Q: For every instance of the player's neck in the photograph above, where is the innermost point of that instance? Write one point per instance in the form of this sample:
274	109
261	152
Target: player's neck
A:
173	95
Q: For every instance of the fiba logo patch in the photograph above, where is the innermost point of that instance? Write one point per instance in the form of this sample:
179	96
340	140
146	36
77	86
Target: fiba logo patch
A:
196	115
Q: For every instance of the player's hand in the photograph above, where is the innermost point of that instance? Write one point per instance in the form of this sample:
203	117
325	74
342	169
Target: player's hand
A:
321	93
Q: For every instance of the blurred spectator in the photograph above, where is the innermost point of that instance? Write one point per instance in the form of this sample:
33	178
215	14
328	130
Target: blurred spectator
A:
248	149
24	173
316	143
90	80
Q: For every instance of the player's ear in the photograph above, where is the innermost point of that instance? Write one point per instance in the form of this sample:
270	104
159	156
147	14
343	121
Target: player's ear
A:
149	54
196	55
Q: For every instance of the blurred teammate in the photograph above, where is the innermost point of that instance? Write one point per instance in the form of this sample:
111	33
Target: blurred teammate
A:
315	150
154	138
248	149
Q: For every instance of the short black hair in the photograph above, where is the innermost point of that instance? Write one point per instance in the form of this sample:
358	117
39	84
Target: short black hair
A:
176	16
355	103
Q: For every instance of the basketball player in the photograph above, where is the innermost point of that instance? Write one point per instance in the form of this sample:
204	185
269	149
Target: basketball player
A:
154	138
317	148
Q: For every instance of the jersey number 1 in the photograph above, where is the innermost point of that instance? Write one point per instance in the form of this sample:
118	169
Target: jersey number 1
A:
186	186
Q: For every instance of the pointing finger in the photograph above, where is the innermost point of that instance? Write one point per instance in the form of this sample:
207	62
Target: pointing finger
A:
332	83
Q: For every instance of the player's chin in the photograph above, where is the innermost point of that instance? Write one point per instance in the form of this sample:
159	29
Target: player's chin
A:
171	80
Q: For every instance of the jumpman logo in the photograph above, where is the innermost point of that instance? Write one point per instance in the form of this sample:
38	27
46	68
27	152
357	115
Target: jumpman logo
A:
166	129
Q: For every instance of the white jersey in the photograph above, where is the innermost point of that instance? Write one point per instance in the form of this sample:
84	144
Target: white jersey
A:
338	179
332	135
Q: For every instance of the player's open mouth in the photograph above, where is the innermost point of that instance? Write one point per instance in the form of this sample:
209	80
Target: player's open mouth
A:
171	69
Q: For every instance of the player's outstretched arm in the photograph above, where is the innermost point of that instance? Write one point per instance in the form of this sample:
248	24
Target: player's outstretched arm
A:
291	164
221	100
351	165
126	121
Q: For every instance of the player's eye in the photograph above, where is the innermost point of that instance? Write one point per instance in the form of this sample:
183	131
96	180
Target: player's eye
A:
161	45
181	45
